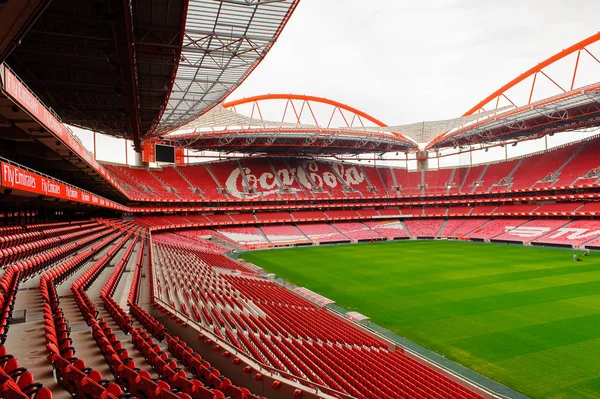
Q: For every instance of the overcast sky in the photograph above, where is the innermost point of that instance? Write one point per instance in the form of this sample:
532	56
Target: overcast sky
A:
409	61
406	62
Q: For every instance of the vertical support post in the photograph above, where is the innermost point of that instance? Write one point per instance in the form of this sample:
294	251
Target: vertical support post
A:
126	161
95	157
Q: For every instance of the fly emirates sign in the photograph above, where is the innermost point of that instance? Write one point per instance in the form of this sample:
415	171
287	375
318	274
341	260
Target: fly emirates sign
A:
20	179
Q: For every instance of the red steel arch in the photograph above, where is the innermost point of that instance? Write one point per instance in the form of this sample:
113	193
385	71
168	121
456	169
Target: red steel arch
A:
306	101
518	108
539	69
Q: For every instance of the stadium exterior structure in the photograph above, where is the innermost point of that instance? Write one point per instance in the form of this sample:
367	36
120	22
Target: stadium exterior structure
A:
71	216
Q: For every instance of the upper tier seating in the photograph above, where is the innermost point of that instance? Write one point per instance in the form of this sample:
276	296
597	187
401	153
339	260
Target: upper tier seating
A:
584	162
243	217
590	208
202	180
197	218
435	210
483	210
539	167
415	210
309	215
468	178
409	182
496	175
438	181
259	180
229	177
374	178
368	212
389	212
267	216
132	187
333	213
559	208
353	178
219	218
145	178
515	209
290	179
171	176
321	177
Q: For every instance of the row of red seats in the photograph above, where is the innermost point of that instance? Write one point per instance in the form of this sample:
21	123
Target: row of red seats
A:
24	269
21	384
15	381
6	230
293	178
111	306
200	368
71	373
33	235
134	291
18	383
276	328
16	253
167	369
136	383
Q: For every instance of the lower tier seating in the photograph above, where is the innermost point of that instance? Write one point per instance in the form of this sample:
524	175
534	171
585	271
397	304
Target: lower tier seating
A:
495	227
294	338
288	333
424	227
356	231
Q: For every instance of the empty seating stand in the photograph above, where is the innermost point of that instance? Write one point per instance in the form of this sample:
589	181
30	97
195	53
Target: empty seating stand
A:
574	165
283	330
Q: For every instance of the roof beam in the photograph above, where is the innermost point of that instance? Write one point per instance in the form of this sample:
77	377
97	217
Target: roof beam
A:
17	19
122	27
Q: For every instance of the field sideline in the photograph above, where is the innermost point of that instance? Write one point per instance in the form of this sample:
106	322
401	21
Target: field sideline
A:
526	317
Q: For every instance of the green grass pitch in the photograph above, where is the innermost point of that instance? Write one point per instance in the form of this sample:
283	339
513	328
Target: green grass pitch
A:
526	317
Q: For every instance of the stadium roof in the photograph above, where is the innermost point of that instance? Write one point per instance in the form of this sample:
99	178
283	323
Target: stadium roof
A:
423	132
224	129
572	107
572	111
142	68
